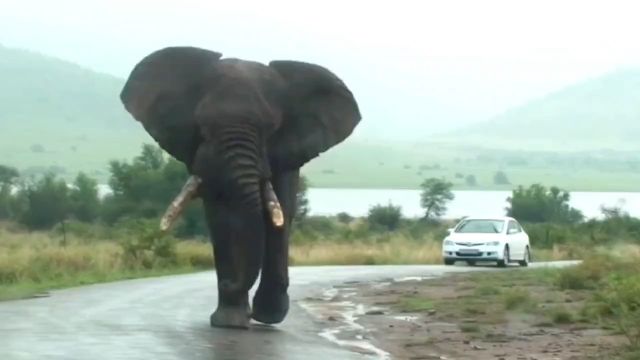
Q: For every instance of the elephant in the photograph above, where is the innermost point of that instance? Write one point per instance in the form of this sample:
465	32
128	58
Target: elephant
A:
243	130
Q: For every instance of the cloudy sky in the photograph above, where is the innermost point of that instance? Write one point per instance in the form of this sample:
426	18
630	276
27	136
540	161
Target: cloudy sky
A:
427	66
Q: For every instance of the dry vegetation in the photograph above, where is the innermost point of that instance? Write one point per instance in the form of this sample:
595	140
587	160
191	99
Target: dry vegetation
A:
588	311
31	262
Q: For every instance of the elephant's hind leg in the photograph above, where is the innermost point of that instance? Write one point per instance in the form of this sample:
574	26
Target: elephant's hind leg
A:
271	301
238	242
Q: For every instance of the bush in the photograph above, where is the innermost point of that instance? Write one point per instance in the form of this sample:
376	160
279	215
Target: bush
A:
143	244
516	298
619	300
536	204
344	218
560	315
587	275
385	216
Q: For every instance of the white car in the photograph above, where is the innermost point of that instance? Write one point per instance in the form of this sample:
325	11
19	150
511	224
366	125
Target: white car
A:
477	239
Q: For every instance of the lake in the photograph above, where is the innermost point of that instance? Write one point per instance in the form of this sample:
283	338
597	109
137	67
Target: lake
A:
357	202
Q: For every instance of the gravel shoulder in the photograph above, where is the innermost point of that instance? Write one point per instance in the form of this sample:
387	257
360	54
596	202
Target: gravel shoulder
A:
509	314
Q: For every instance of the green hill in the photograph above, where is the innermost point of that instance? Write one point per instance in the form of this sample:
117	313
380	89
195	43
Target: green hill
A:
55	114
599	113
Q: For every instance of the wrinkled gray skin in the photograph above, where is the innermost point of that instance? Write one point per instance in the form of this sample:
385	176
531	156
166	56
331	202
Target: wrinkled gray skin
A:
238	124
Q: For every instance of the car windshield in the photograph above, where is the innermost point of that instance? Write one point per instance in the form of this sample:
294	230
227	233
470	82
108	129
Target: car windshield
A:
481	226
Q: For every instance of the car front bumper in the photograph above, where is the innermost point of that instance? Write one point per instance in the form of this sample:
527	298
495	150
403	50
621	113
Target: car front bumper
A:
484	253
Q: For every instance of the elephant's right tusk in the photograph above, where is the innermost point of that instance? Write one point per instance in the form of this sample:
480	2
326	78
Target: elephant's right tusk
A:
181	201
273	205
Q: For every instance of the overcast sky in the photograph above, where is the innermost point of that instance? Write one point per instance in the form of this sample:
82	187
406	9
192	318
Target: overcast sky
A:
429	66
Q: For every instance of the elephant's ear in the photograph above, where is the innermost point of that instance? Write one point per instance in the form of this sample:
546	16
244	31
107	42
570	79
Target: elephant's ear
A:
162	92
319	111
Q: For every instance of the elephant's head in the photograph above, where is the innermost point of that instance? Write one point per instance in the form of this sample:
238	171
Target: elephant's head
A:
234	122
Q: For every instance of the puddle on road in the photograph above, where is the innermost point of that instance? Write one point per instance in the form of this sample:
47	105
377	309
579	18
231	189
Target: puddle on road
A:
343	315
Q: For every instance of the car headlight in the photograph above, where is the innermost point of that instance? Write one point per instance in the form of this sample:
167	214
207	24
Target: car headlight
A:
448	243
493	243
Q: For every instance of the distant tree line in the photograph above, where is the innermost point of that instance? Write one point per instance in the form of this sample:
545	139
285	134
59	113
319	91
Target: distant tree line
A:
141	189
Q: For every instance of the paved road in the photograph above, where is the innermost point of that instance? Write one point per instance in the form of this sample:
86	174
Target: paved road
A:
167	318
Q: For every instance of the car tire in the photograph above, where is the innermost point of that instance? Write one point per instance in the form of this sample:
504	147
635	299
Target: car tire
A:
449	262
527	258
471	263
506	259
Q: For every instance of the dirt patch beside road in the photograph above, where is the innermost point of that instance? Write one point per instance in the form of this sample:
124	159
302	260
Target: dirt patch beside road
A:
511	314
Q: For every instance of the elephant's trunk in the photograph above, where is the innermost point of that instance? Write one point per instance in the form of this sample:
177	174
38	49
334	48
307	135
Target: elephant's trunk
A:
238	150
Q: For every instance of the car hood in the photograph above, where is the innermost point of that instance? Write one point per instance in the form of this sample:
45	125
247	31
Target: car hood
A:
475	238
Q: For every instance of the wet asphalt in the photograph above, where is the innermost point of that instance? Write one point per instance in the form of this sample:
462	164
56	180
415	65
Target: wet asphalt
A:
168	318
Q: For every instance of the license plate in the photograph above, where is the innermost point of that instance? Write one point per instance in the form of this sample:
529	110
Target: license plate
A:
468	251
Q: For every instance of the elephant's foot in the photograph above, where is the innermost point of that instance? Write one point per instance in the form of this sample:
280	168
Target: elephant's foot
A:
231	317
270	307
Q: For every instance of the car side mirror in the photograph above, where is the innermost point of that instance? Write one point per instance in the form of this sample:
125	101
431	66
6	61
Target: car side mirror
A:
512	231
449	231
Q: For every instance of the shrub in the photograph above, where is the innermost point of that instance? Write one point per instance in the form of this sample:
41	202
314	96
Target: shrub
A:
385	216
560	315
344	218
620	299
516	298
144	244
587	275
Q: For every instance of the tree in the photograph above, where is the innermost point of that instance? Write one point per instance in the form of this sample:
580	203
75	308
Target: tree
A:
8	175
83	199
144	187
538	204
46	202
500	178
387	216
151	157
7	179
471	180
302	202
436	193
614	211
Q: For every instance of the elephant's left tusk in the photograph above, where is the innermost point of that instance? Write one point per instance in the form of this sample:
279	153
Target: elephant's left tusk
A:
181	201
273	205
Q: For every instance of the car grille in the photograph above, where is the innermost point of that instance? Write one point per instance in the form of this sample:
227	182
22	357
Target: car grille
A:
468	244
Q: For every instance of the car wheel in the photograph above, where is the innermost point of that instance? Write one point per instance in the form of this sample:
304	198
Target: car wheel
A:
527	258
449	262
471	263
505	258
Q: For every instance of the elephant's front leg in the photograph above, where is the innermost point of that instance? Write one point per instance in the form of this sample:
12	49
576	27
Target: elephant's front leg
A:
271	302
238	242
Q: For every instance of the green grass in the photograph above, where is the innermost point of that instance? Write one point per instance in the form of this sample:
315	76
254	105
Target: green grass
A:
357	165
516	299
561	315
415	304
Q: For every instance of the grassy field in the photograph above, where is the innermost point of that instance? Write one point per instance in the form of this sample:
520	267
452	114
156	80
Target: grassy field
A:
38	261
360	165
352	165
